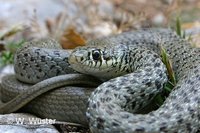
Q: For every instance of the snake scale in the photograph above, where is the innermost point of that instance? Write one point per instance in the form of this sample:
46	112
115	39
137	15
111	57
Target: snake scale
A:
132	71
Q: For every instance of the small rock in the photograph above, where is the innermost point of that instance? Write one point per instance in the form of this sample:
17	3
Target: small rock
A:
158	19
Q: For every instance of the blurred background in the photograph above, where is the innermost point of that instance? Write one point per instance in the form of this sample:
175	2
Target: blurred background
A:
73	22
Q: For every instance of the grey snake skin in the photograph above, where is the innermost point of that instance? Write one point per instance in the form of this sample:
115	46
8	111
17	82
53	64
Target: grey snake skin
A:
132	71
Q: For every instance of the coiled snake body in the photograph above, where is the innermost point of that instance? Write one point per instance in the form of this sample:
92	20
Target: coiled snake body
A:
132	61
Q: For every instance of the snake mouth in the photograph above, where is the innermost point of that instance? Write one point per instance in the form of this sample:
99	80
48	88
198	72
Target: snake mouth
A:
87	66
105	71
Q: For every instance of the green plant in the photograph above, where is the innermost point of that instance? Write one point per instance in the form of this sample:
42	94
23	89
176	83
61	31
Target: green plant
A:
160	98
168	87
179	29
7	56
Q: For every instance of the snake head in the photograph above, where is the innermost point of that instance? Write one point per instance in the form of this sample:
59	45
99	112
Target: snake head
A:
101	62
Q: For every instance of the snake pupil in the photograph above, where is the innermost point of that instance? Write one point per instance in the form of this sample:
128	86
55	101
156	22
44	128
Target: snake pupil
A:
95	54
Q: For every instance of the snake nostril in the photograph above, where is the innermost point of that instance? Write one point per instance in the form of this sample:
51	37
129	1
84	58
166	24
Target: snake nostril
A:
79	59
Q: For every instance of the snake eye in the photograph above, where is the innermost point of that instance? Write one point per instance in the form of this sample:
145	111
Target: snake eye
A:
96	54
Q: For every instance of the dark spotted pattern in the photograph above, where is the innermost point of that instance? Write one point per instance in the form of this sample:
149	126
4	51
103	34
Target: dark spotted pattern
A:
37	62
181	110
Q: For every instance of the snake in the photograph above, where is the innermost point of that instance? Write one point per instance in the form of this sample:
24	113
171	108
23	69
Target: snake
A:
112	77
